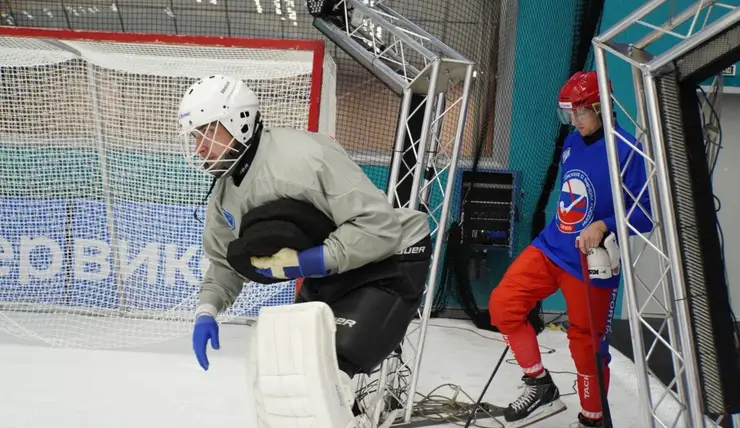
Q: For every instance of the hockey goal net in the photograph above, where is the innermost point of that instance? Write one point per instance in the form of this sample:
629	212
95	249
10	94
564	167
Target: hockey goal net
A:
99	244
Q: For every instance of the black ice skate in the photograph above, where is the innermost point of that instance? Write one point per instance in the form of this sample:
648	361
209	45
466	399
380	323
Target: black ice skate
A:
540	400
584	422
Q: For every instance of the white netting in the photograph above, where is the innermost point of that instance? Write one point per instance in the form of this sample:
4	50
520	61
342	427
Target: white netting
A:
99	247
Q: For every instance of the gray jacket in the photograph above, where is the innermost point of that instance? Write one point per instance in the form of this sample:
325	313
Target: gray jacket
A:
313	168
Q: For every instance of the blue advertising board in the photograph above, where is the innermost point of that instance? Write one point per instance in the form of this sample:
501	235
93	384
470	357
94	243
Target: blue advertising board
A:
60	251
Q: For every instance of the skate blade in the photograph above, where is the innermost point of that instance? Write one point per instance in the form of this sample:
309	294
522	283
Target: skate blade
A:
543	412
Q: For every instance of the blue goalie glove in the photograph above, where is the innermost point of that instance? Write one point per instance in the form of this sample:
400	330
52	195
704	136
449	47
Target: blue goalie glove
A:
291	264
205	329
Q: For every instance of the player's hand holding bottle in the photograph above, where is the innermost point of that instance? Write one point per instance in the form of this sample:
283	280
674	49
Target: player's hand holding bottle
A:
592	236
205	329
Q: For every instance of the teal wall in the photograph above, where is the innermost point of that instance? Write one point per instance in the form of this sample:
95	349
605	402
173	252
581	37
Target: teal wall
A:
542	55
542	63
619	71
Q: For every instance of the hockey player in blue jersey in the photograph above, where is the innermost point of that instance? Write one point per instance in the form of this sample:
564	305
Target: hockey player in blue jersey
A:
584	222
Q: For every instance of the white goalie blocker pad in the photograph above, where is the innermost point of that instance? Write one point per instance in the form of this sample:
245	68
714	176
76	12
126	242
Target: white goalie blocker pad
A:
294	371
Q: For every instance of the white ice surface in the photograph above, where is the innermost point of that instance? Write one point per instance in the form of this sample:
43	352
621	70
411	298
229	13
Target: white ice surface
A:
161	386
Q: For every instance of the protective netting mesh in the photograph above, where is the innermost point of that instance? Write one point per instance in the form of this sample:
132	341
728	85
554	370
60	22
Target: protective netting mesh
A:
96	198
585	28
366	110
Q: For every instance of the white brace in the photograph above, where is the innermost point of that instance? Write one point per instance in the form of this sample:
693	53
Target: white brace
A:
293	370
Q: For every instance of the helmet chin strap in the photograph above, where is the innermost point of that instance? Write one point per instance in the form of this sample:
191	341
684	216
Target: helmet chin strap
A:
241	166
245	158
238	161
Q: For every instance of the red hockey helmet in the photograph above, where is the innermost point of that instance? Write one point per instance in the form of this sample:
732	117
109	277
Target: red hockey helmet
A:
580	92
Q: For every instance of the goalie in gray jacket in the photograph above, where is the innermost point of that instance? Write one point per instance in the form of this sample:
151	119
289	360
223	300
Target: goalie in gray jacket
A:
253	165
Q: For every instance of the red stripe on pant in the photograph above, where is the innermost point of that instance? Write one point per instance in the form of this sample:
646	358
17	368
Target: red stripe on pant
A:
533	277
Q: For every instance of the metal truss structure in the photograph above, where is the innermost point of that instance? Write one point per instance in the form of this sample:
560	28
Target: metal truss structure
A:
412	63
680	402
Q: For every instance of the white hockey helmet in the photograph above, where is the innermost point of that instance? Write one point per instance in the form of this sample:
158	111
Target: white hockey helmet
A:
209	107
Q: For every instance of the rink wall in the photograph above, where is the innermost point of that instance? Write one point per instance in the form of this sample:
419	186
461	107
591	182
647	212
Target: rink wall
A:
63	254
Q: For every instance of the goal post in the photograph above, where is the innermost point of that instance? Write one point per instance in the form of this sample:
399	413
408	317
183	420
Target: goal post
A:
100	238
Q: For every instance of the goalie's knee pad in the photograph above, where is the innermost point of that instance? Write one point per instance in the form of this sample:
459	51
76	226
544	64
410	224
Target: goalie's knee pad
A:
371	322
294	370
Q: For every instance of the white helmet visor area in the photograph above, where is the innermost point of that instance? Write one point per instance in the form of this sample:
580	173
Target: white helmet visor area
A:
210	148
570	115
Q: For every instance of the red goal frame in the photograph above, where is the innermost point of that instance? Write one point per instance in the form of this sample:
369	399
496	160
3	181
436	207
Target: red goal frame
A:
315	46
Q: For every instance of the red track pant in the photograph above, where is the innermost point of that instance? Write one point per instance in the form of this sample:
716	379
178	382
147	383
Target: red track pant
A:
531	278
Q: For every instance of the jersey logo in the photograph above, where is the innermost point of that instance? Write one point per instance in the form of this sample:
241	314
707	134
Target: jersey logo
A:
229	219
576	206
566	154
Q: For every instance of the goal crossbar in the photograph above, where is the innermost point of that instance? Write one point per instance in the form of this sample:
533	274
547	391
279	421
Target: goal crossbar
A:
315	46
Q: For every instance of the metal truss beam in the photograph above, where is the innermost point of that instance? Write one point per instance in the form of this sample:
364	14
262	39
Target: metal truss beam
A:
395	50
411	62
680	402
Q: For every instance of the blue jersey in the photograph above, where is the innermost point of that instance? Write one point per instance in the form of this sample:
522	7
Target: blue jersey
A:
586	197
